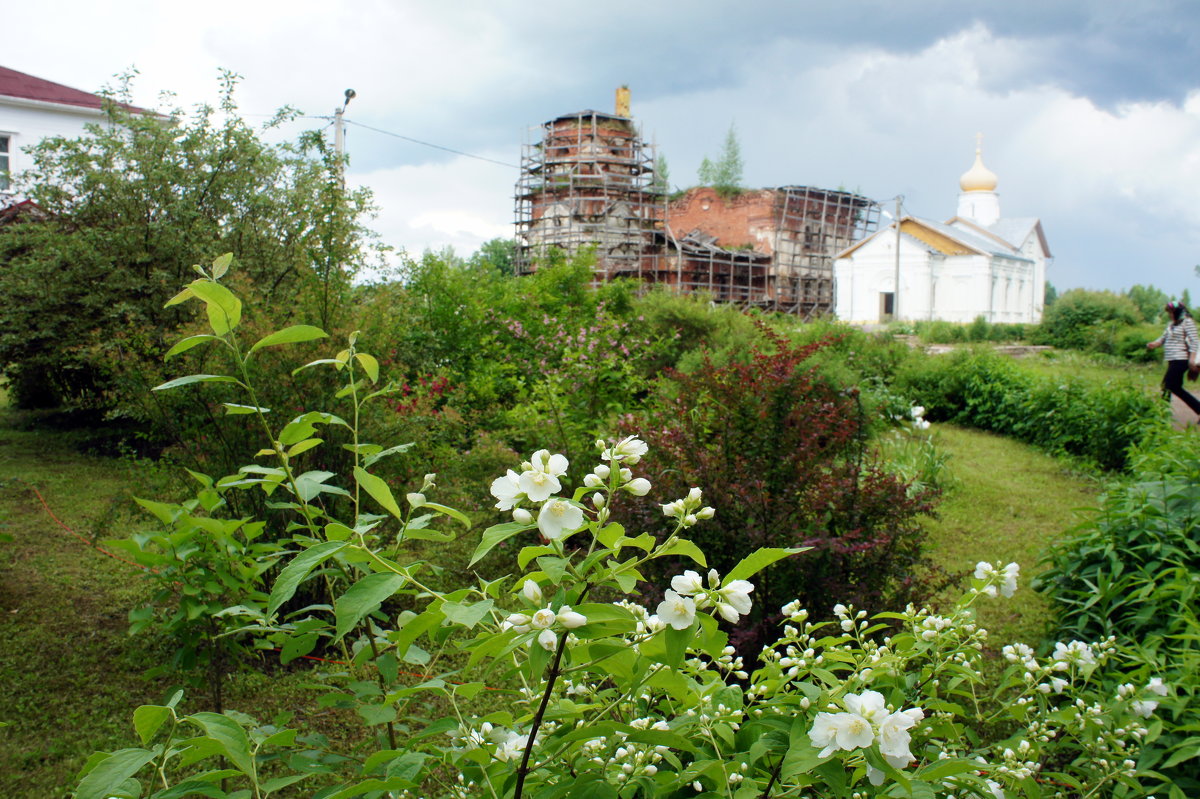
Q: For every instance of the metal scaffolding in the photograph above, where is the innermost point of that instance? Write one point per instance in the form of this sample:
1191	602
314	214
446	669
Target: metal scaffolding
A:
588	181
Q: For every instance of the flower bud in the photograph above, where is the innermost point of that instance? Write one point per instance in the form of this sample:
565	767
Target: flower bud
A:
547	640
602	472
531	591
592	481
639	487
598	500
522	516
416	500
705	513
543	618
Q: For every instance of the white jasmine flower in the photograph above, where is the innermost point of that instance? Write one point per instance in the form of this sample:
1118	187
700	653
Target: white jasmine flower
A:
894	739
558	518
543	461
984	570
531	591
543	619
833	731
996	789
1009	586
1157	686
629	449
507	489
518	622
687	583
1144	707
511	747
737	594
917	411
538	485
569	618
869	704
677	611
547	640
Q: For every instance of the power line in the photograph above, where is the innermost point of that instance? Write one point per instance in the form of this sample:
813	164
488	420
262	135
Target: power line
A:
430	144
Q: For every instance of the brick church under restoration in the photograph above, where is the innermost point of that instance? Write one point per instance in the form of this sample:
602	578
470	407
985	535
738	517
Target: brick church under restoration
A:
589	181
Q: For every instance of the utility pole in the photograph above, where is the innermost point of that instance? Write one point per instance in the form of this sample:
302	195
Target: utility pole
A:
896	291
339	134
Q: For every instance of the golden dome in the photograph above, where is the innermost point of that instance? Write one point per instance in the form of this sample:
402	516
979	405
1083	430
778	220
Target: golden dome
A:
978	177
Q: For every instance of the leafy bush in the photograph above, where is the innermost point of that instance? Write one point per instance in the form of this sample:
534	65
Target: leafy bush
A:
1086	320
783	452
601	696
1130	573
1095	423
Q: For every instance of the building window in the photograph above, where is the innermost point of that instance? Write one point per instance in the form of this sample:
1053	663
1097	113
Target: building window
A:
5	163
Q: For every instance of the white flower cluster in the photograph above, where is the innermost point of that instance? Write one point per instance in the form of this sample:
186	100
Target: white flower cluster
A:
503	744
688	510
1144	707
624	760
997	579
544	619
688	594
538	483
865	721
918	418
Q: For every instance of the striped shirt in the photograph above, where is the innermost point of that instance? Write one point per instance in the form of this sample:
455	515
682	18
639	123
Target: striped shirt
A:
1178	339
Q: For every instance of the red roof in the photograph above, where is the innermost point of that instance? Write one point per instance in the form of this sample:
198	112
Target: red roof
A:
27	87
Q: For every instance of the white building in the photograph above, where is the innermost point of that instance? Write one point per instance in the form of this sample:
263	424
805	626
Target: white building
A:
975	264
31	109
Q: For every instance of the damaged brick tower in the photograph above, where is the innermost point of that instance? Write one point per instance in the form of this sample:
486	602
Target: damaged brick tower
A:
589	181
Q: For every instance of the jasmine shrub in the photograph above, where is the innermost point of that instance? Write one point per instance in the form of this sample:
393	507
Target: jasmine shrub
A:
604	696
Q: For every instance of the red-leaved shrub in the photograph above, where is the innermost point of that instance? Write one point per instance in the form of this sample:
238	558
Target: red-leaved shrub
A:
781	455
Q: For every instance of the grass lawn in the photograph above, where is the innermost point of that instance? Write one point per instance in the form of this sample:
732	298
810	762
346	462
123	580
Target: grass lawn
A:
1010	502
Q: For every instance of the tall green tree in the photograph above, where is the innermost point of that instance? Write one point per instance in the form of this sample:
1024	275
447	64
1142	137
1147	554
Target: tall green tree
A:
724	174
131	206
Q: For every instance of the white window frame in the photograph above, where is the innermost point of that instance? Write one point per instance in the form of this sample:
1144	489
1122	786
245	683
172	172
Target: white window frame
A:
8	139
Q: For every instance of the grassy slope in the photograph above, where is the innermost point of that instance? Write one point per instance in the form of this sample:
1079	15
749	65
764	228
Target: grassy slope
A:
1010	502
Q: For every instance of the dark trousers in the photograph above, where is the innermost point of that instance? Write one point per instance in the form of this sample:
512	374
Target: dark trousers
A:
1173	382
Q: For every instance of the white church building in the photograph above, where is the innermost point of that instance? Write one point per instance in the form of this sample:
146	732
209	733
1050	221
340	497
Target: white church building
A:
975	264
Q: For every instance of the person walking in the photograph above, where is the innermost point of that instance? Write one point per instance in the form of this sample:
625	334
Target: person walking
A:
1180	344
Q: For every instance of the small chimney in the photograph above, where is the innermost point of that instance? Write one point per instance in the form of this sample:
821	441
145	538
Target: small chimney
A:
623	101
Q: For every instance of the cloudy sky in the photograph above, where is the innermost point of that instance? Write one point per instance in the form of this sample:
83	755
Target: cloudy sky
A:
1090	109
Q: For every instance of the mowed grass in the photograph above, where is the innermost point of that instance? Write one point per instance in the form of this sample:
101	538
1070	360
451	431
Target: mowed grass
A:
1010	502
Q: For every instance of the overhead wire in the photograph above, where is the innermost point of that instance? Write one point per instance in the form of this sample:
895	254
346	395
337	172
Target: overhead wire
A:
430	144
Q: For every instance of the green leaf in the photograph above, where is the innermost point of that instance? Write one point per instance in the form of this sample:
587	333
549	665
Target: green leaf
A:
107	775
445	510
289	335
220	265
229	736
183	345
270	786
684	547
758	560
370	459
187	381
377	714
182	296
294	573
362	598
304	446
378	490
369	364
224	309
465	613
494	535
147	719
233	409
677	643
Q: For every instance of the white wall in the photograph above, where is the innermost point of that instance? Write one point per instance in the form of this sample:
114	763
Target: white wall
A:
956	288
27	122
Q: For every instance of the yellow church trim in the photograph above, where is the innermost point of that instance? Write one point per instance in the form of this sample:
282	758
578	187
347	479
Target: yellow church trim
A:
943	244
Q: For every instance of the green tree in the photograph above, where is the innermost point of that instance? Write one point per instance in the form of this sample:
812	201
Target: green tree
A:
1149	301
724	174
662	175
130	207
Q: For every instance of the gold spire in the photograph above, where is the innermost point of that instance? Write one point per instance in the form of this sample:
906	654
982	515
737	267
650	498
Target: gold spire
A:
978	177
